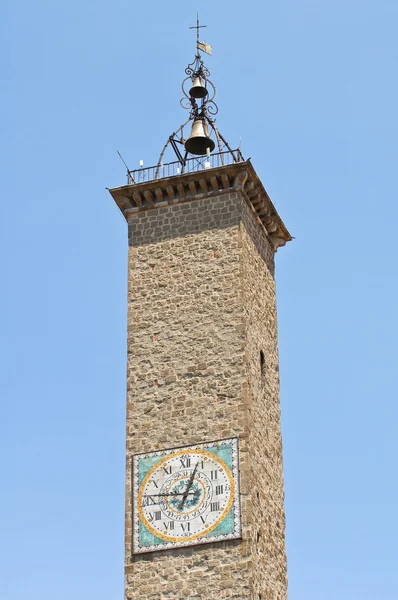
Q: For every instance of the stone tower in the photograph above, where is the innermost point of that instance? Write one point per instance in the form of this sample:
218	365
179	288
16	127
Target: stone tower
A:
204	478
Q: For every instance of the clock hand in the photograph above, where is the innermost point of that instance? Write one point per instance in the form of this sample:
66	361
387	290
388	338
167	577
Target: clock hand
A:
152	496
167	494
189	485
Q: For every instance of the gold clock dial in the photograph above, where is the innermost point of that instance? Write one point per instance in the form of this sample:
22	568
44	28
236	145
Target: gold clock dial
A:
187	494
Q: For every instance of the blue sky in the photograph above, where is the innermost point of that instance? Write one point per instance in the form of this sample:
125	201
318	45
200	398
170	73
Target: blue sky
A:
311	89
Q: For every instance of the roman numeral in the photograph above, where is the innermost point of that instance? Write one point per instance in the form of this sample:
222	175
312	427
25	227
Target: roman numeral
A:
157	515
148	501
214	506
185	527
155	483
169	526
167	470
185	462
213	475
219	490
203	519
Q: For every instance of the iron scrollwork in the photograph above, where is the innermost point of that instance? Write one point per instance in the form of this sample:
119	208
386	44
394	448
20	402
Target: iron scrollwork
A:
201	106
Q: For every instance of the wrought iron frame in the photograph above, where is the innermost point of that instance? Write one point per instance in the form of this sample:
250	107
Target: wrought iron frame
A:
204	110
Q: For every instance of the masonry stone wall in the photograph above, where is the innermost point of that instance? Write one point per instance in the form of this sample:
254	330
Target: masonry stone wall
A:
267	542
201	303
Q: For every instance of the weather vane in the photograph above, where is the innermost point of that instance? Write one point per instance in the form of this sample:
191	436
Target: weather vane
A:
203	46
199	93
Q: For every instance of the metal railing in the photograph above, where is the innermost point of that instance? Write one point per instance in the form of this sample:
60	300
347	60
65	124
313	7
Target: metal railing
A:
191	165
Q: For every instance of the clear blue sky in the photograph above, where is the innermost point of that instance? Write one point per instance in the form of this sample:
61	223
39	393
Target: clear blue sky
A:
311	88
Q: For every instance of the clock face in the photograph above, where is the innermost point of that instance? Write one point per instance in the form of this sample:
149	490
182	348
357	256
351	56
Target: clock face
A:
186	496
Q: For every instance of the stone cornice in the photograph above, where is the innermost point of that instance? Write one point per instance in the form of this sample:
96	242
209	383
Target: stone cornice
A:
240	176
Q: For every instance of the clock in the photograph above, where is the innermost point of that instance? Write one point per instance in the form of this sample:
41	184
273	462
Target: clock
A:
186	496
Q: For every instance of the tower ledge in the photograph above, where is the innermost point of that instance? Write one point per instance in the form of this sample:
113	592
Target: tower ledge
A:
239	176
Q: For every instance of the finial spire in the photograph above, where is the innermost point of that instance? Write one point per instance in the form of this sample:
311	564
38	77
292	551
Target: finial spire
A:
202	46
197	27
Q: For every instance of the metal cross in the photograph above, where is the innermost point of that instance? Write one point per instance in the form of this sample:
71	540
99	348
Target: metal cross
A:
197	27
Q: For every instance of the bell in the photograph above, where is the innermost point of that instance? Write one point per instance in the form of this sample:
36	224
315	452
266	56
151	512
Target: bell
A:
199	140
198	90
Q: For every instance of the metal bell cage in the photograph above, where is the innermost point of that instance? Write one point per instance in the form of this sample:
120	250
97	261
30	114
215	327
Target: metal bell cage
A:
196	152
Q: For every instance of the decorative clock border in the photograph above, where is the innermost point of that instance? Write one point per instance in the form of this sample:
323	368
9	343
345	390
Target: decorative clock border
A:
237	533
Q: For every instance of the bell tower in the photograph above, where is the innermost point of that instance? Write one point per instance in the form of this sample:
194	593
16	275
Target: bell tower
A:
204	479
